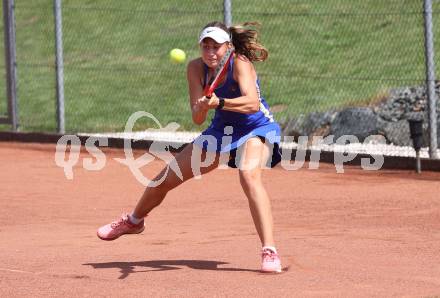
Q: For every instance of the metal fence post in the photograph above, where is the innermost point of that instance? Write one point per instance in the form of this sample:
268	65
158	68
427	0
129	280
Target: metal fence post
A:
227	12
430	79
10	62
59	66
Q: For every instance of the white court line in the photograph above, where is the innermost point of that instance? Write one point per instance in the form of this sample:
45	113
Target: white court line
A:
18	271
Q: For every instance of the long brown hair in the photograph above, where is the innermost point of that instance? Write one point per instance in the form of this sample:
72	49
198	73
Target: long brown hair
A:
245	40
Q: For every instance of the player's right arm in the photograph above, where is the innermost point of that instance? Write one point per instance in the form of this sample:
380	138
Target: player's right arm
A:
195	88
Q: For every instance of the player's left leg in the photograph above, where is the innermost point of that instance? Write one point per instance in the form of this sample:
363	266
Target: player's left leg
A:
254	156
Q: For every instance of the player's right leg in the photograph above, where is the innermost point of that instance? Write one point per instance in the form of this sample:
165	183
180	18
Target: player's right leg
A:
156	192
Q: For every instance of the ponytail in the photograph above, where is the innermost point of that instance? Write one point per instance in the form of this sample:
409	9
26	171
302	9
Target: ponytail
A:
246	43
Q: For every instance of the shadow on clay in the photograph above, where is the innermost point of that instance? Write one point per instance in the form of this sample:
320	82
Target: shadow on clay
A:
127	268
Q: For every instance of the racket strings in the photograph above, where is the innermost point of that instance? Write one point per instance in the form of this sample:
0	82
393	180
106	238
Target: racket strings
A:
219	73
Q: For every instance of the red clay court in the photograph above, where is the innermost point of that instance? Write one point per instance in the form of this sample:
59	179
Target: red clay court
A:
358	234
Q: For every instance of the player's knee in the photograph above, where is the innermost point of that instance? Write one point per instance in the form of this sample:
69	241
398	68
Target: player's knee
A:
249	177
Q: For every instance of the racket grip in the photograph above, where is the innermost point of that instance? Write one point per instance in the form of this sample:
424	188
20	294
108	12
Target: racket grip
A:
207	92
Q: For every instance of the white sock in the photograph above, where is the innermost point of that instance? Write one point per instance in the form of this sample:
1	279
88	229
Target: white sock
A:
272	248
134	220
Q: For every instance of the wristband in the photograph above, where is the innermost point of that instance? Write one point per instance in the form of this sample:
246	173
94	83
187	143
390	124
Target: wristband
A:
221	103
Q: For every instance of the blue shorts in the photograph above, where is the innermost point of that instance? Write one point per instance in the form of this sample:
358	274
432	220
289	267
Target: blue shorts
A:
225	139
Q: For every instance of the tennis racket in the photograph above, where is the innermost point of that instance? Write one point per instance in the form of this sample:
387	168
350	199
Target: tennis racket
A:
219	74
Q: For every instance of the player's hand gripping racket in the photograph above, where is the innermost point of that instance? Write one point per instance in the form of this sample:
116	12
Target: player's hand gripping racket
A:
219	74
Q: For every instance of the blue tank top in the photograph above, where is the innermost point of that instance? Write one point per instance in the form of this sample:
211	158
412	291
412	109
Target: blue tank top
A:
230	89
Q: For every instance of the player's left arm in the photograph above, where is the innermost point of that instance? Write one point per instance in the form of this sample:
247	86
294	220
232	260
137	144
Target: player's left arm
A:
245	75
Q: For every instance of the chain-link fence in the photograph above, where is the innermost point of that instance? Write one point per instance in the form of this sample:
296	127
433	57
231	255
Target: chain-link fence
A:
3	100
334	67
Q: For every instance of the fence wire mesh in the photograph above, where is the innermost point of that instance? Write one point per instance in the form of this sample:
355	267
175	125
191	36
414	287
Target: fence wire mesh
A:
334	67
3	100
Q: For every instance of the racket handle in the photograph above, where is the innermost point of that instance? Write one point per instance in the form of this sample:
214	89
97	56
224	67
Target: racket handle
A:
207	92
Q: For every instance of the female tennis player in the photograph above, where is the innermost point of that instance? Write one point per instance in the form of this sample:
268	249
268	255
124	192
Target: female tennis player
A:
242	117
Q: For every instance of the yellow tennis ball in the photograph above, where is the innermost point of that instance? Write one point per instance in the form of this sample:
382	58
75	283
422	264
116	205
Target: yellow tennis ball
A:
177	56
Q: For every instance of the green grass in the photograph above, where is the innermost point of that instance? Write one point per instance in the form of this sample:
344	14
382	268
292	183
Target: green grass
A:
323	55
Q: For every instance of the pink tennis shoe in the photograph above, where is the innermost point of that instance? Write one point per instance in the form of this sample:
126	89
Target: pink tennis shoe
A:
120	227
270	261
